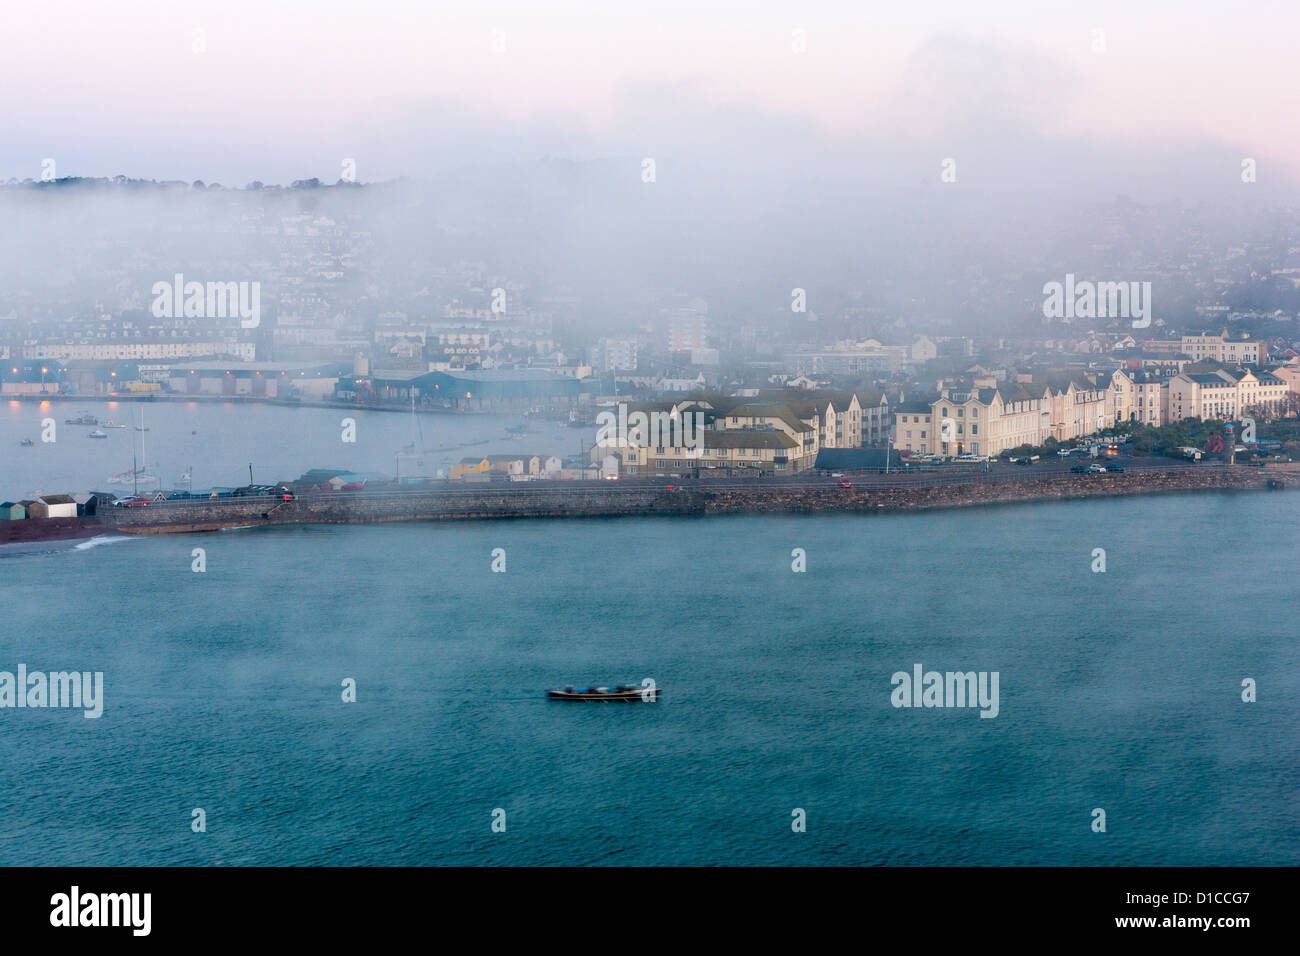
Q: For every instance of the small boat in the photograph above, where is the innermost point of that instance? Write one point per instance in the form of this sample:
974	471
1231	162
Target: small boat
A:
27	443
85	418
98	434
628	693
111	424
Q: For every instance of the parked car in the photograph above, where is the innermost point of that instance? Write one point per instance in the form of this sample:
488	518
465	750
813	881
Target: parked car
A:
837	474
1096	469
844	483
1114	467
132	503
1079	469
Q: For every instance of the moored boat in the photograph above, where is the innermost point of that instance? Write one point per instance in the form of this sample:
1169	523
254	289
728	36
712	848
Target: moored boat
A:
85	418
139	476
628	693
27	443
98	434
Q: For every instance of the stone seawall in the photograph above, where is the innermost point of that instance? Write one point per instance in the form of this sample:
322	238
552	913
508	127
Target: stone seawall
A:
613	500
1062	488
404	506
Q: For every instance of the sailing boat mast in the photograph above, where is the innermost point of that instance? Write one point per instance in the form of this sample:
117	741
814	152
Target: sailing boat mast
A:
417	429
135	468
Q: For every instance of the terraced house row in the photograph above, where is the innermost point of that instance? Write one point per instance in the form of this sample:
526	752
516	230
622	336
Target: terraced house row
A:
989	417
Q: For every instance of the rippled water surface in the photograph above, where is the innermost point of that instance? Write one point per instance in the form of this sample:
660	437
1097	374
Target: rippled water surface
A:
1119	690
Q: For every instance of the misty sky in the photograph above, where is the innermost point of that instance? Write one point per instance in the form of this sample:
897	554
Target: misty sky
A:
286	90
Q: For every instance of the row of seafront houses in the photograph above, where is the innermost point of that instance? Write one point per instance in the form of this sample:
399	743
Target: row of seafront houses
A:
775	433
50	506
89	504
988	417
514	467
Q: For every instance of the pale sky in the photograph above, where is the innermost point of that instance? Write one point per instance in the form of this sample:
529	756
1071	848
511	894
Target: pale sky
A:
235	90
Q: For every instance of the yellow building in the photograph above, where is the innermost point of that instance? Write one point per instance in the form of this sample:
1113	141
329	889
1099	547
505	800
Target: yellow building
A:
471	466
1226	394
983	421
1138	396
779	417
1221	348
767	450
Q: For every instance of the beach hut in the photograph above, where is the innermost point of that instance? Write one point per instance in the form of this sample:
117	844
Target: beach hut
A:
53	506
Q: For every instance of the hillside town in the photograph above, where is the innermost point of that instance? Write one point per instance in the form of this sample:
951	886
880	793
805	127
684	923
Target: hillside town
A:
293	316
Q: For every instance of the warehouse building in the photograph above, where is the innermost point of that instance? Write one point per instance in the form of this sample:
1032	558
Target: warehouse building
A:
501	388
256	379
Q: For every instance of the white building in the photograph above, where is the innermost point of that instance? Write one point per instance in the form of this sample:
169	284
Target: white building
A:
617	355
